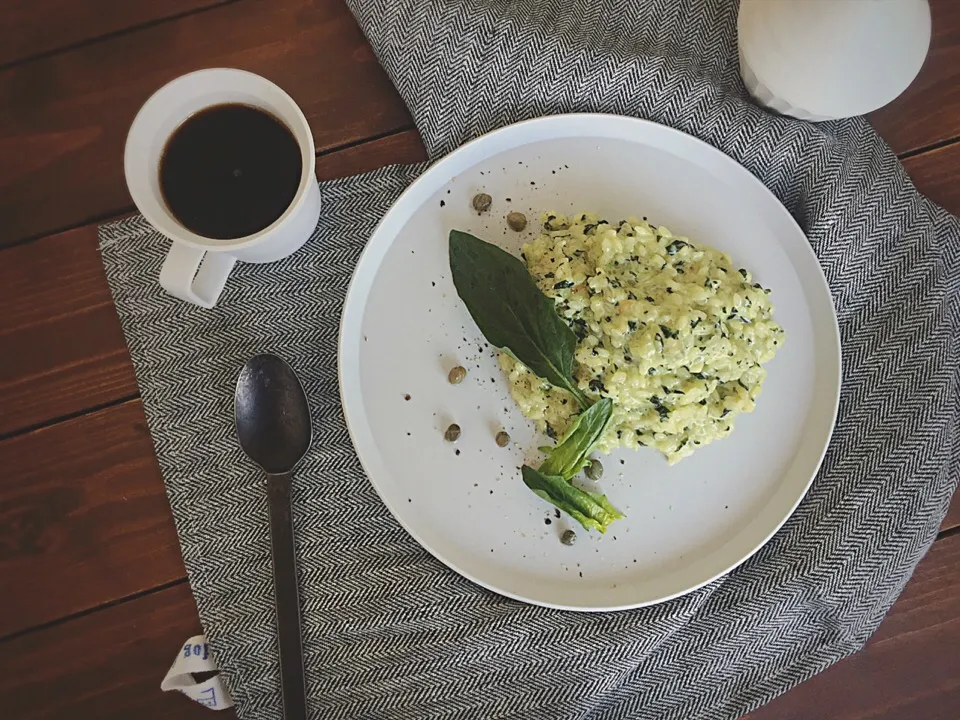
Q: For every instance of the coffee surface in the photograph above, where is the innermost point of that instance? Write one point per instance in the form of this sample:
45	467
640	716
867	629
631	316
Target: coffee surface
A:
230	171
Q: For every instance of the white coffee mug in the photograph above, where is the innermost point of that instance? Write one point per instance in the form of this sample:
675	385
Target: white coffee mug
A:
197	267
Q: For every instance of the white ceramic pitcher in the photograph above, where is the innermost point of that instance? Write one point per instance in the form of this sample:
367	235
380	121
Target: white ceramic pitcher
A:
827	59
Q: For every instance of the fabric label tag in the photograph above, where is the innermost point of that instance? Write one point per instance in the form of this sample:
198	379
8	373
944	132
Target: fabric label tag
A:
194	657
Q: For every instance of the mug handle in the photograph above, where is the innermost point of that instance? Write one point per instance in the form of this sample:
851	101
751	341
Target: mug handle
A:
196	276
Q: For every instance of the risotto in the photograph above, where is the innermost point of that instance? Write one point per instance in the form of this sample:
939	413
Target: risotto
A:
670	330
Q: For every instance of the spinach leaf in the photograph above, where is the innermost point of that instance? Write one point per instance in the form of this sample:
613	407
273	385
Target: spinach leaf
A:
511	312
591	510
570	455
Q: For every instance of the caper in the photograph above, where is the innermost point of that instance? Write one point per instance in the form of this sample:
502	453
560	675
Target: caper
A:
457	375
452	434
482	202
517	221
502	438
569	537
594	470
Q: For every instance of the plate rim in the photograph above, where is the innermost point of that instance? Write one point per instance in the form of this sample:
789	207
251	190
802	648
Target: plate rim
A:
449	159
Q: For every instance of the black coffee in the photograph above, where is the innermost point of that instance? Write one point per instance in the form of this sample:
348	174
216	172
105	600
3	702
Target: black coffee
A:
229	171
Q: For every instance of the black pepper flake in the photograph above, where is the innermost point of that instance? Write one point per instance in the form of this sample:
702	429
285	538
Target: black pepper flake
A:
547	521
457	452
556	514
563	285
406	397
443	203
670	290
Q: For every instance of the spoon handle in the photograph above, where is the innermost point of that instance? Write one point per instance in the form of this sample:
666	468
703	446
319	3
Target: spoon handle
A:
288	597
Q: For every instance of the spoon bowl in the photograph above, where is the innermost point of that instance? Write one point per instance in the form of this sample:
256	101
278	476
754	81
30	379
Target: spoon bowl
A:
272	415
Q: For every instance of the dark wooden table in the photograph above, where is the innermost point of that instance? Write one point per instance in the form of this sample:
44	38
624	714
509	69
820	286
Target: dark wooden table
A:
95	600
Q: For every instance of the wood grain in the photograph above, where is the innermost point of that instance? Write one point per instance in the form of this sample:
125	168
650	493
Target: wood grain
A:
32	27
84	518
64	118
399	149
105	665
910	669
70	352
952	520
929	111
937	175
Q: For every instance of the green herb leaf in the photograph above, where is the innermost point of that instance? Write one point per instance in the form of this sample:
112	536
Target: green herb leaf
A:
591	510
571	454
511	312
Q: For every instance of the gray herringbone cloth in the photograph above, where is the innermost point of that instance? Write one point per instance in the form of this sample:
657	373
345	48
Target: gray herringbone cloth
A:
391	633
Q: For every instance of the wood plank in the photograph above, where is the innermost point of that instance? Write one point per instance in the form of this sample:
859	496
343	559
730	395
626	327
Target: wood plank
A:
84	518
71	355
929	111
937	175
33	27
400	149
107	664
952	520
64	118
909	670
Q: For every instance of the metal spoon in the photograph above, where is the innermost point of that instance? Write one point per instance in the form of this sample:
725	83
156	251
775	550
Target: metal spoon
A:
273	424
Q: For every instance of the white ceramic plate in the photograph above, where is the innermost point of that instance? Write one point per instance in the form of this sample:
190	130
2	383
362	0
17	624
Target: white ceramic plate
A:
404	327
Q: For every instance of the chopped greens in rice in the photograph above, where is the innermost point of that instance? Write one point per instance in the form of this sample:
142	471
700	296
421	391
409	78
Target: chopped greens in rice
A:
670	330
